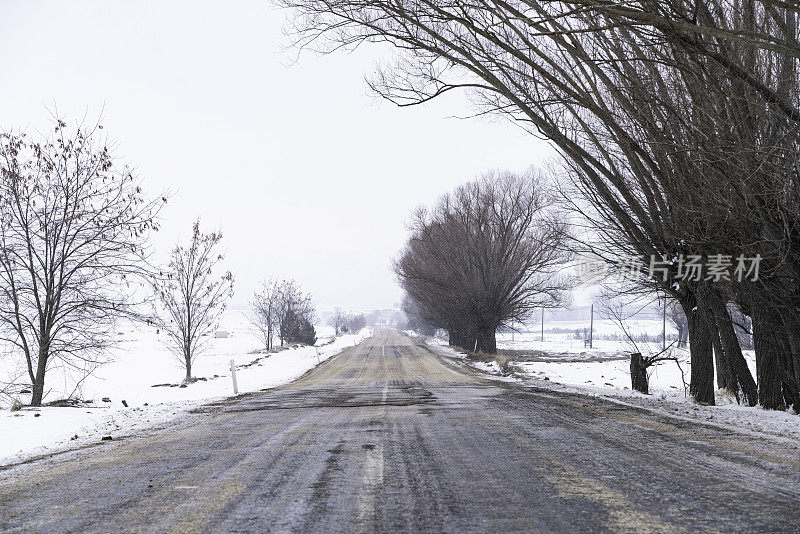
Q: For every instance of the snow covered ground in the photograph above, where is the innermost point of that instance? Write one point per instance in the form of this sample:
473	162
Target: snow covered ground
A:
142	362
562	363
561	358
148	379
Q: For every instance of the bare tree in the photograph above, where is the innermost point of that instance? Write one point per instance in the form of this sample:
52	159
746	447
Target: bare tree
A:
193	295
337	320
74	229
265	306
678	123
355	322
485	256
295	314
644	353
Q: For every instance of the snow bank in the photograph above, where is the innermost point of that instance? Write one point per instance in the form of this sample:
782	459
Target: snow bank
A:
578	372
140	363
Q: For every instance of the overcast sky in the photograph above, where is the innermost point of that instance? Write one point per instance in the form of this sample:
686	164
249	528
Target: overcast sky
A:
306	173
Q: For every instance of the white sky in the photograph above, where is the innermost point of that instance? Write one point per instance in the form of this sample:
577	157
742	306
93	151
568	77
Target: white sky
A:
308	175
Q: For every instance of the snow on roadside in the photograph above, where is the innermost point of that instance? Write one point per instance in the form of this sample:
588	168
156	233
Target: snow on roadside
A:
34	432
610	380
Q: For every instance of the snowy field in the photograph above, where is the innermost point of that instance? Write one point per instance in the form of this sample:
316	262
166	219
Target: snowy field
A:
147	378
561	362
564	359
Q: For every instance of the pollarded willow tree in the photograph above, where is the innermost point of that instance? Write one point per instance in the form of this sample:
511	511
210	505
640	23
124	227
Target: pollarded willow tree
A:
707	169
74	229
193	295
484	257
677	121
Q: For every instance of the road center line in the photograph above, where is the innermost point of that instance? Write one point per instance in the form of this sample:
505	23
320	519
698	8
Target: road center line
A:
386	386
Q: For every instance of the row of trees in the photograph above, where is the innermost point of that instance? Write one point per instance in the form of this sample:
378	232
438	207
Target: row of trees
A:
344	322
75	232
282	309
678	121
484	257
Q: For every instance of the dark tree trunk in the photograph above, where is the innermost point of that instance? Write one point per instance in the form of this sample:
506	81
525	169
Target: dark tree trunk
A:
463	338
487	340
188	361
738	368
38	391
724	379
454	338
792	328
701	384
768	357
740	375
791	395
639	374
38	383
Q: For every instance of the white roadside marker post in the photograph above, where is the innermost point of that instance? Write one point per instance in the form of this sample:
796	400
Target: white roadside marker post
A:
233	376
317	349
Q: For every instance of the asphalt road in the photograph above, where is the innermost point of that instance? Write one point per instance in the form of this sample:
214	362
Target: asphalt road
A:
387	437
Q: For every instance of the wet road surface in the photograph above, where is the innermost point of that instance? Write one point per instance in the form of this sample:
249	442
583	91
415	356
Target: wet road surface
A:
388	437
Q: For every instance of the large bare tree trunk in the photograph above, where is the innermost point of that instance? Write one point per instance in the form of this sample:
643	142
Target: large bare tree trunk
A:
474	339
487	340
711	303
724	379
792	328
791	395
701	384
462	338
768	358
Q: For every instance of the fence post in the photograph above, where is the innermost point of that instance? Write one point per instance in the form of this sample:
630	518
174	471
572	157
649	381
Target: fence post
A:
233	376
